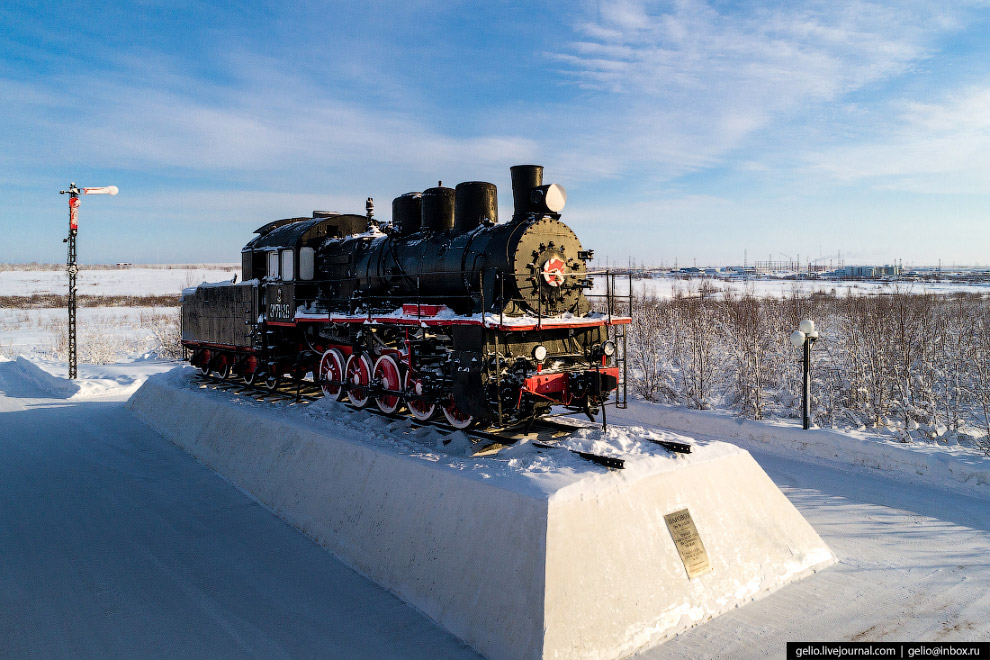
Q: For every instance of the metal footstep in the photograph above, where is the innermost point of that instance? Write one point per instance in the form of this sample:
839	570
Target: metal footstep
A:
607	461
676	447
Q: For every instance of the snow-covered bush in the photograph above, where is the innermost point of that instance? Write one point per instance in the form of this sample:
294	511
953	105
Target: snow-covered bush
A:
110	336
914	365
165	334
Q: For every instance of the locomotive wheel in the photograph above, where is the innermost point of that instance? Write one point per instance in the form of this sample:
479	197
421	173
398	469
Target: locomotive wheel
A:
387	371
418	408
249	377
358	372
456	418
332	368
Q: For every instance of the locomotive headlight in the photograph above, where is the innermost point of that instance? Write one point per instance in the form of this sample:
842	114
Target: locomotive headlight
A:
549	198
540	353
608	348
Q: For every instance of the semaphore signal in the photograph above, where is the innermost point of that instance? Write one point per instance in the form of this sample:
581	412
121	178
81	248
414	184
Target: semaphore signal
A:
71	267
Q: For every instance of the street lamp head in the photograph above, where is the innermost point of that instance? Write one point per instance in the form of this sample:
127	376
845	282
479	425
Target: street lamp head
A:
797	338
807	326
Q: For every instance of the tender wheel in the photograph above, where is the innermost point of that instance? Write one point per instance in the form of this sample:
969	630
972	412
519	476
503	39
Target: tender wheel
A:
456	418
249	369
387	371
332	368
205	360
223	369
358	372
418	408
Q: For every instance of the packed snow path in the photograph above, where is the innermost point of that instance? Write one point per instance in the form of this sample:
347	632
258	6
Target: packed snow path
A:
115	544
913	566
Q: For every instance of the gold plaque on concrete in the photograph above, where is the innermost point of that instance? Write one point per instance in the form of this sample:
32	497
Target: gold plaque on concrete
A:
688	543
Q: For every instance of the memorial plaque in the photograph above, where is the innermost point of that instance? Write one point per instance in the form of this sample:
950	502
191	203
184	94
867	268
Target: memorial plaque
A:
688	542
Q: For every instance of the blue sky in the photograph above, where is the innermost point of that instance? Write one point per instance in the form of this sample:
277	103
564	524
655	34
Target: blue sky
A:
682	130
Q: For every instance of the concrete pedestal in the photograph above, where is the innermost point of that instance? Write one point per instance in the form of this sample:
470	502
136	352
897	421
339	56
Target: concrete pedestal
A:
581	567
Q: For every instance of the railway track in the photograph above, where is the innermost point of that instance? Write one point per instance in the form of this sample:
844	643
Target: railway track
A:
544	433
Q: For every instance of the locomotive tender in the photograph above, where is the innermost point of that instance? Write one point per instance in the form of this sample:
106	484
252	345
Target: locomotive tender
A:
445	311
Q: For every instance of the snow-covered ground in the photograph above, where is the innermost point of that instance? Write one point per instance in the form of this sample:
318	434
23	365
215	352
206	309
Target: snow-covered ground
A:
113	333
666	287
139	281
114	282
116	544
95	381
106	334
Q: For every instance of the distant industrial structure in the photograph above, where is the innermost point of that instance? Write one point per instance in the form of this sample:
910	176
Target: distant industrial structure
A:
790	270
830	267
868	272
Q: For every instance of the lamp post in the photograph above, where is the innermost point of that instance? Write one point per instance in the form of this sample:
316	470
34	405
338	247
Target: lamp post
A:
803	338
71	267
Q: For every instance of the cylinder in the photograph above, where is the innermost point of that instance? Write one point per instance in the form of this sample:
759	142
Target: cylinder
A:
476	202
524	179
407	213
438	209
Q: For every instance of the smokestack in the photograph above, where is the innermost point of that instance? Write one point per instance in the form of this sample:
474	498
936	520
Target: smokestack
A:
524	179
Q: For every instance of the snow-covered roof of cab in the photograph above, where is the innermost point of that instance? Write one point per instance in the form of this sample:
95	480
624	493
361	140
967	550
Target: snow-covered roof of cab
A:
297	232
264	229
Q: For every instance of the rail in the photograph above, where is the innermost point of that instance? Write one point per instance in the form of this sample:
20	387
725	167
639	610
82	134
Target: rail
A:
617	333
358	300
544	434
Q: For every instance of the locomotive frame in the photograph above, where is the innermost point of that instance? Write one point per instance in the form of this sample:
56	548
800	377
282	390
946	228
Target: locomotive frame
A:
394	318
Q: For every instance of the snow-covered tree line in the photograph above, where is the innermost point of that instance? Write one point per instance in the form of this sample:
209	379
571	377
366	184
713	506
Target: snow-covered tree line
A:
915	365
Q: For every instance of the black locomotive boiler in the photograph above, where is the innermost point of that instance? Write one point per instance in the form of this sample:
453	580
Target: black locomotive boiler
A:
444	311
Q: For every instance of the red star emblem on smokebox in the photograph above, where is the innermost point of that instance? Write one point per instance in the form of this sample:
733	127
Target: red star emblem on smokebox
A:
553	271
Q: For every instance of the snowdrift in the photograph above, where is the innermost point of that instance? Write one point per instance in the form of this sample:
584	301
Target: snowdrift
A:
951	468
93	381
526	554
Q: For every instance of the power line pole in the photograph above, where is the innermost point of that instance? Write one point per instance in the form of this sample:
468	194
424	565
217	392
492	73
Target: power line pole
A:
71	267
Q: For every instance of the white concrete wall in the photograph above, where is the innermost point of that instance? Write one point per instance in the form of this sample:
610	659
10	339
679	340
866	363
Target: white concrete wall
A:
469	555
586	571
615	582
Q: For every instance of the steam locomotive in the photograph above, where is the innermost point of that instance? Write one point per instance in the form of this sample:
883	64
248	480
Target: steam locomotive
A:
444	311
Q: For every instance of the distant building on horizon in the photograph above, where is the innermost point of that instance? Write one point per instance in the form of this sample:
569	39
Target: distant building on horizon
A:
869	272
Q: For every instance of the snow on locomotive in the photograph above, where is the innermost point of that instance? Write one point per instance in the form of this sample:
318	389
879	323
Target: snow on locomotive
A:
445	311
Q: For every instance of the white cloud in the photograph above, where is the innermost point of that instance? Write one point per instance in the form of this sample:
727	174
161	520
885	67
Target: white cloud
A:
928	147
676	87
669	89
268	122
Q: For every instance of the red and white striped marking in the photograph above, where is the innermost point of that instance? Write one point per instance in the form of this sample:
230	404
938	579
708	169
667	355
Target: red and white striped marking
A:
104	190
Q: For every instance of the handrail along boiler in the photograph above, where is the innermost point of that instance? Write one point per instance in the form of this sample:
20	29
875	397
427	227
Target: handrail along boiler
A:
445	311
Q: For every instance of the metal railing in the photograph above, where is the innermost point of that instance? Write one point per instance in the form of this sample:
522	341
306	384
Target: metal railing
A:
360	302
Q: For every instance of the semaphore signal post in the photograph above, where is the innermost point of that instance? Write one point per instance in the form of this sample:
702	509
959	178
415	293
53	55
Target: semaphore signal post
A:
71	266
